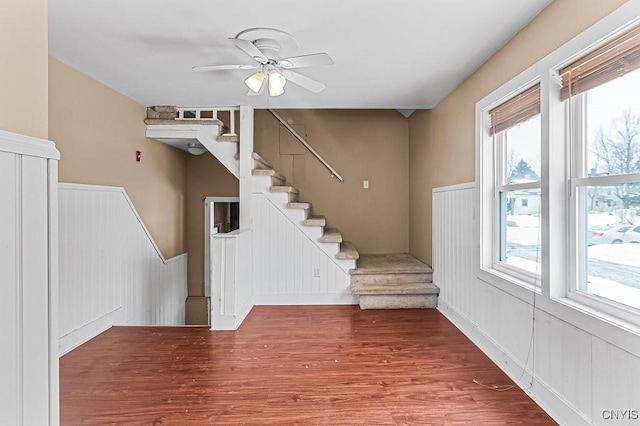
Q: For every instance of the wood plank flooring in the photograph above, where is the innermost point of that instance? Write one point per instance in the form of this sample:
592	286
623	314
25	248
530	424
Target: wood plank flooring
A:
334	365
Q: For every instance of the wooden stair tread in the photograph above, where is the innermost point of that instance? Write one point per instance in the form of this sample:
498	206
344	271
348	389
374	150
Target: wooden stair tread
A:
228	137
173	122
258	159
331	235
397	263
268	172
283	188
315	221
347	251
301	206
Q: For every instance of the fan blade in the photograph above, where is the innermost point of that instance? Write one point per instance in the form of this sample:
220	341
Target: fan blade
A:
303	61
304	81
224	67
247	47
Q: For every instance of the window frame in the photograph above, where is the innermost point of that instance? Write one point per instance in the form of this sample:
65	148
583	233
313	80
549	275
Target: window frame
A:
575	116
552	298
495	151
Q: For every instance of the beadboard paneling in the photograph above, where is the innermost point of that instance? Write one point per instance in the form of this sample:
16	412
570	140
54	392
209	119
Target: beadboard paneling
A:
28	281
289	268
111	271
576	375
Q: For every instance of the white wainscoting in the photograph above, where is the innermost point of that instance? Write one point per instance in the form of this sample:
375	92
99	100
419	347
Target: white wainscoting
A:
289	268
28	281
576	375
111	271
231	279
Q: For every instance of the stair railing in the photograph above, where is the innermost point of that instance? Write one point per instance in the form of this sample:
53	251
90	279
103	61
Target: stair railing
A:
187	113
333	171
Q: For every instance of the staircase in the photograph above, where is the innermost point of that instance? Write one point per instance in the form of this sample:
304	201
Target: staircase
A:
393	281
272	184
181	126
386	281
389	281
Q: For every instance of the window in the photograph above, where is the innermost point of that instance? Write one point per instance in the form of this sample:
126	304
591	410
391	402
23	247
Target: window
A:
515	126
558	181
603	111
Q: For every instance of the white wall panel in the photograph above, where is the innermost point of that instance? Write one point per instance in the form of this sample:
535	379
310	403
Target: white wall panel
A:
575	374
285	259
111	271
28	281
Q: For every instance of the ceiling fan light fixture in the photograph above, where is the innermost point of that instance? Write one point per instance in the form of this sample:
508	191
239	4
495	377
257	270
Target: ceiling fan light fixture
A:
276	83
255	82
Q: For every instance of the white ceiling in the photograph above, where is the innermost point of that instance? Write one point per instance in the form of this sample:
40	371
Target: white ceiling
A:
402	54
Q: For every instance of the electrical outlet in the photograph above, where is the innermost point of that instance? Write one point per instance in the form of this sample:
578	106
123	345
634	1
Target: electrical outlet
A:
365	184
316	272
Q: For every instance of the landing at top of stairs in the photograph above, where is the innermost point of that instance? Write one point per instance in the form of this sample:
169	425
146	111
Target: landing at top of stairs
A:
400	263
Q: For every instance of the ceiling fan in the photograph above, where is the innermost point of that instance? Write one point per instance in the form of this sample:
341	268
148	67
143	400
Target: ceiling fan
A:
264	46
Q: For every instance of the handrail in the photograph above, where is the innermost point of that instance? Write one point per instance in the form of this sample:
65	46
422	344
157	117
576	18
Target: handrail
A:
303	142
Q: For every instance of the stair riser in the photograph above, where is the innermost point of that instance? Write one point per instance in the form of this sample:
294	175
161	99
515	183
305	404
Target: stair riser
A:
298	215
275	181
404	301
284	197
346	264
396	288
313	232
331	248
391	278
261	183
330	239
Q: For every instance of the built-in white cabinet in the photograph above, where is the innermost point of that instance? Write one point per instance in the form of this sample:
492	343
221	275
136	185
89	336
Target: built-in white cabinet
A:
28	281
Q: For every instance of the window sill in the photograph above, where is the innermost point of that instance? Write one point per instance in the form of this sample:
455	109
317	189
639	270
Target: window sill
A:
509	284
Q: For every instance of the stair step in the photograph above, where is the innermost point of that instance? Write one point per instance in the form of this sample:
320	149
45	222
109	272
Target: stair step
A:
280	188
164	108
399	287
393	281
259	162
187	121
301	206
269	172
315	221
347	251
397	263
228	137
331	235
389	279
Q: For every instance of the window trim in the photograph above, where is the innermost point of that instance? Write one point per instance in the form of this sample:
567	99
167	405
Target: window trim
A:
555	188
575	116
491	166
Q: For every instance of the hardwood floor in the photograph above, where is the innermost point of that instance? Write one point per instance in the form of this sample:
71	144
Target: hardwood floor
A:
333	365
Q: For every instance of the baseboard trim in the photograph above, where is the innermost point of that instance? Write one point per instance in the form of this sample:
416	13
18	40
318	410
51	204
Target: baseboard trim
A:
544	396
77	337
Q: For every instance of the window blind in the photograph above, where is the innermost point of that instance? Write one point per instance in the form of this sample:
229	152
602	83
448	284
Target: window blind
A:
610	61
516	110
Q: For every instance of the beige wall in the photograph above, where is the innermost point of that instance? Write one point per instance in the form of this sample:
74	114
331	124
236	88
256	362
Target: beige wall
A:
442	142
206	177
23	67
361	145
98	131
